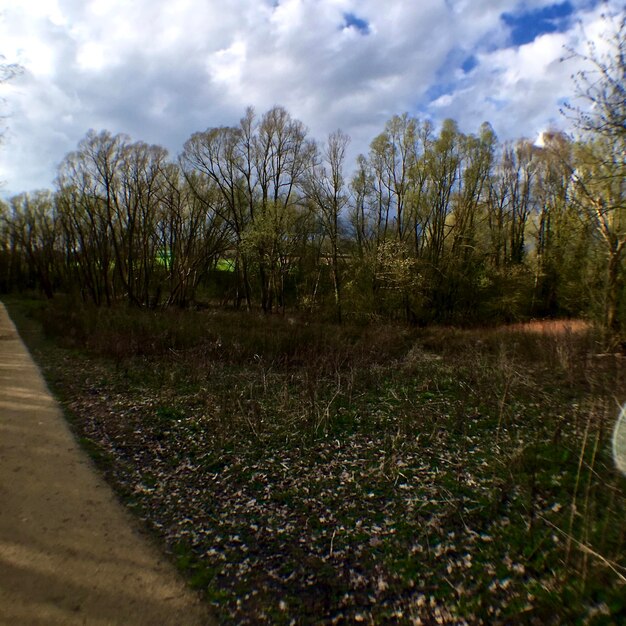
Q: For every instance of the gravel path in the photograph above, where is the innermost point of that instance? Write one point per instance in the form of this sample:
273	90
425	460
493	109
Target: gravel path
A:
69	552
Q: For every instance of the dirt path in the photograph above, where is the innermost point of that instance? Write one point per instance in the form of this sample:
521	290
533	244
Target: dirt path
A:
69	552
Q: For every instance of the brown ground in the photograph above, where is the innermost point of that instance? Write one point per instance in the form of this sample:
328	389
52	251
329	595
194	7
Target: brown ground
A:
69	552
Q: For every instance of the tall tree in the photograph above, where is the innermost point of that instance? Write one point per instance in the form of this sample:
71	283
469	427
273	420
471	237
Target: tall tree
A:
35	230
259	169
89	199
283	156
137	208
222	158
600	169
326	188
191	232
561	240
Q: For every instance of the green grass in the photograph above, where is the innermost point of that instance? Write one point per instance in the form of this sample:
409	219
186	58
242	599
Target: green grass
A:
302	471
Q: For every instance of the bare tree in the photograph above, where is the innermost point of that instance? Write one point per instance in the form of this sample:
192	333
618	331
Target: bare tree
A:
191	232
90	199
221	159
326	188
35	231
259	169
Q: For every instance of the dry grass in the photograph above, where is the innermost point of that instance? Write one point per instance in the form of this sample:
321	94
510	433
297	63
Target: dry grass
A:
375	473
559	327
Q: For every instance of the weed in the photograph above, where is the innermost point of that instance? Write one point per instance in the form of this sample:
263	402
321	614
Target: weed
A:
437	473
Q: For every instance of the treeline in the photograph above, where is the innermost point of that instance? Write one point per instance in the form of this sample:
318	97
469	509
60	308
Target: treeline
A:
430	226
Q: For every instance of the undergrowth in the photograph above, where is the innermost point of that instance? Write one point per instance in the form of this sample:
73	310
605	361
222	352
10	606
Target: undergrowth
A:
371	473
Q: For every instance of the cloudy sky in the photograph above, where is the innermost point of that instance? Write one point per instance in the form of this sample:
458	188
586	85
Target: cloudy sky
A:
160	71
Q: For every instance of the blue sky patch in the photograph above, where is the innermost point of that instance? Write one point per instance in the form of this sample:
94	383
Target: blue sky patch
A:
447	79
353	21
526	26
469	64
439	89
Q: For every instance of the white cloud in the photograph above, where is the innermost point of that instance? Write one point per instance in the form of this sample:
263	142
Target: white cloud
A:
519	90
162	70
91	56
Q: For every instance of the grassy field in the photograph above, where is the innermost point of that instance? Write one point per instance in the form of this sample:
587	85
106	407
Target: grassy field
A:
315	474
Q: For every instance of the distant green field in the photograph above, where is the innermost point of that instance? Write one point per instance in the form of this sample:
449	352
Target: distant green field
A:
223	265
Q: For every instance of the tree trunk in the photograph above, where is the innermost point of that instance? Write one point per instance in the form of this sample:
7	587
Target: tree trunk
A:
613	323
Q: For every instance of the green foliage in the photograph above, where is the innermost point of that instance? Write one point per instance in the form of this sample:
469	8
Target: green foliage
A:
435	227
